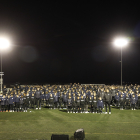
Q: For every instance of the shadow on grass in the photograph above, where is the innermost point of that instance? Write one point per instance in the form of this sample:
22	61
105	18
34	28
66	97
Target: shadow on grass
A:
72	138
93	138
63	111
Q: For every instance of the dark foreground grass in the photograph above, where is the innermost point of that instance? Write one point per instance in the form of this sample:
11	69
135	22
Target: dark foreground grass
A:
41	124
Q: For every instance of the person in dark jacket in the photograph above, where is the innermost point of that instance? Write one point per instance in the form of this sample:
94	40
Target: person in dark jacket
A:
78	105
94	103
60	100
69	109
113	92
82	104
51	101
7	103
100	105
4	90
21	103
25	102
27	99
133	102
37	99
108	98
55	100
0	101
127	101
138	101
11	102
74	100
3	101
122	100
91	104
65	100
17	105
117	99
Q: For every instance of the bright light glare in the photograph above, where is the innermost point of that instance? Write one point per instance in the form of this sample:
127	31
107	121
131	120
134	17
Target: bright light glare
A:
121	42
4	43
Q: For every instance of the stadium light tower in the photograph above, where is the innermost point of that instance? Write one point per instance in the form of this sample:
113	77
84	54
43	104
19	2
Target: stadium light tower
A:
4	44
121	42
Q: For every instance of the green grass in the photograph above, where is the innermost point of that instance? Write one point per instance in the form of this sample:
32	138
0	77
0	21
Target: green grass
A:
41	124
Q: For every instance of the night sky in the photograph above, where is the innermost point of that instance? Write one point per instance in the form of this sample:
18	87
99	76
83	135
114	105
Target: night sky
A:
67	43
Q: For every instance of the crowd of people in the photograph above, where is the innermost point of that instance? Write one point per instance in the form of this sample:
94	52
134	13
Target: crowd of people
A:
75	98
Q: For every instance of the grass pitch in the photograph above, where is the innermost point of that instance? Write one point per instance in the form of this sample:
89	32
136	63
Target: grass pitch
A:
41	124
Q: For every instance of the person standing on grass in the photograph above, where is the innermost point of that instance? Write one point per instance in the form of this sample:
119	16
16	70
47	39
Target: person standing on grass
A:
133	102
7	103
127	101
0	101
55	100
78	105
117	99
11	102
65	99
21	102
94	102
122	100
60	100
100	105
25	102
136	96
108	98
17	100
3	100
37	98
51	101
82	104
138	101
69	105
90	101
74	100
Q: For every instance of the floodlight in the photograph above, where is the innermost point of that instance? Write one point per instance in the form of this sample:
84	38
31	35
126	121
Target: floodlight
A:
120	42
4	43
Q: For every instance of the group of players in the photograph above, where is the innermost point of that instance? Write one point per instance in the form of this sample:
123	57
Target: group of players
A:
75	98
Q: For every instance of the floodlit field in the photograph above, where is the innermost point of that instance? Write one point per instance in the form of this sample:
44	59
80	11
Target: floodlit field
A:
41	124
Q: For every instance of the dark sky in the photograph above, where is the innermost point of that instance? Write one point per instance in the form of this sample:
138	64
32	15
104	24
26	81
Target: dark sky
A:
65	43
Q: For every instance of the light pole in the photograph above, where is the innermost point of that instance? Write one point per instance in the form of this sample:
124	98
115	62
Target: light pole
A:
4	44
121	42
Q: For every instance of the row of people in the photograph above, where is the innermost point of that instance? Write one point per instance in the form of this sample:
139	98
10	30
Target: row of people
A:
56	96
